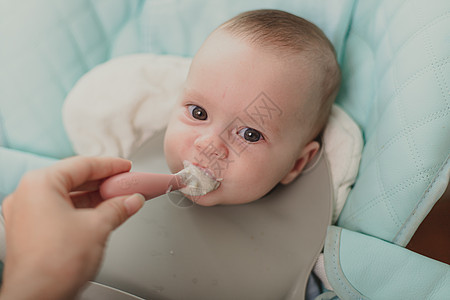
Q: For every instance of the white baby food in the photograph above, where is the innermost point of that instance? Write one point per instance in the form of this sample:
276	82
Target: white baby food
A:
198	181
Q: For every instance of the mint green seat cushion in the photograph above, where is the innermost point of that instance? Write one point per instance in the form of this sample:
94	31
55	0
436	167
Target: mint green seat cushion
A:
363	267
45	47
396	71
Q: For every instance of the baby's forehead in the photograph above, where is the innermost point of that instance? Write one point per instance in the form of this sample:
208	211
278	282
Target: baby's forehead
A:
265	111
278	114
268	84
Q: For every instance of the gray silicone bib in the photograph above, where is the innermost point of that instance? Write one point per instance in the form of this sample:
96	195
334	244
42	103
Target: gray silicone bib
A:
262	250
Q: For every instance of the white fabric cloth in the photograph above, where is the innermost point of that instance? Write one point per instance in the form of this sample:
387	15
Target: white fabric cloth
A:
117	106
343	145
319	270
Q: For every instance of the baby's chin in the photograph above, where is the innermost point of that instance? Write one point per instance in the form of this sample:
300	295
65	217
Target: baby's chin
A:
205	200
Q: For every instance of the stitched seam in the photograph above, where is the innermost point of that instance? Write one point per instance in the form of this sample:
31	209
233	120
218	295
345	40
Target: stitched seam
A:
394	190
420	203
384	198
434	59
419	31
336	264
416	33
435	68
419	73
407	130
412	148
420	122
435	64
409	81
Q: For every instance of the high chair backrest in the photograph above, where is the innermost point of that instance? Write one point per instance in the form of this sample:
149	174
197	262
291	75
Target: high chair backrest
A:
396	75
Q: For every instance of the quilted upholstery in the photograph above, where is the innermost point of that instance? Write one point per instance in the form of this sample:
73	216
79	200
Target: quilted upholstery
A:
45	47
179	27
396	85
396	72
394	57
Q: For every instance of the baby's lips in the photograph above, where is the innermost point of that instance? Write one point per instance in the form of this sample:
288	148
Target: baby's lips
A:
198	179
206	170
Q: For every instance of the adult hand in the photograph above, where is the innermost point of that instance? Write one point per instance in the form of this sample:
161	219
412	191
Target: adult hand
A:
57	225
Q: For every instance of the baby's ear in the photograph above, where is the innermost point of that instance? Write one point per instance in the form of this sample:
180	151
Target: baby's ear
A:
306	156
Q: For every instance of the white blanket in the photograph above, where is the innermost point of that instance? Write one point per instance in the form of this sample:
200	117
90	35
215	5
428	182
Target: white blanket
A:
119	105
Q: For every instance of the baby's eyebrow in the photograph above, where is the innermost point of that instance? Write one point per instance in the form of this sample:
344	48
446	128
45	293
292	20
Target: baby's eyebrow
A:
192	94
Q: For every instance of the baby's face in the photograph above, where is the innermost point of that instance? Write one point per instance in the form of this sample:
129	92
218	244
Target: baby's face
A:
238	117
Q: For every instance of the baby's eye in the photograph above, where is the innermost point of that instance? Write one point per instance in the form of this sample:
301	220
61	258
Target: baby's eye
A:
250	134
198	112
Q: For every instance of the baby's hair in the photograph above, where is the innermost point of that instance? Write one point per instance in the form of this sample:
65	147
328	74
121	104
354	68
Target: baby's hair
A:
290	34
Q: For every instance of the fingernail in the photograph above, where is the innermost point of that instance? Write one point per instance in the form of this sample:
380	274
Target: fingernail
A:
131	163
134	203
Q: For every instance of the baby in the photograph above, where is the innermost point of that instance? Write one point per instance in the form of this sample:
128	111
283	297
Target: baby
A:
258	94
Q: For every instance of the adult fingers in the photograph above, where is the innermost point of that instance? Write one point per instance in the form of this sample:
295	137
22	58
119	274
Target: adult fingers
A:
116	211
75	171
83	199
88	186
5	205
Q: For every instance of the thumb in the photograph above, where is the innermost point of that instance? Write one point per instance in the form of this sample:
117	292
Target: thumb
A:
117	210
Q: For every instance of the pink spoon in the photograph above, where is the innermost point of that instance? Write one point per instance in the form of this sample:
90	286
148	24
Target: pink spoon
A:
150	185
192	180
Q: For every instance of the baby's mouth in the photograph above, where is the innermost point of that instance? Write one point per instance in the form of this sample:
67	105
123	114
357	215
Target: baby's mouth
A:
198	180
207	171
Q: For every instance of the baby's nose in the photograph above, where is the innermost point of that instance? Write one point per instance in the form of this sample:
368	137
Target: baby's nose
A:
211	147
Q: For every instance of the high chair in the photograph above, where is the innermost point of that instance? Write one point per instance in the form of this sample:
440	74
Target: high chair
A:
394	56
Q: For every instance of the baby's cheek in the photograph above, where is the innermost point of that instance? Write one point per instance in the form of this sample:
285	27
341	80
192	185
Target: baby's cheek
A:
177	146
252	185
170	150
